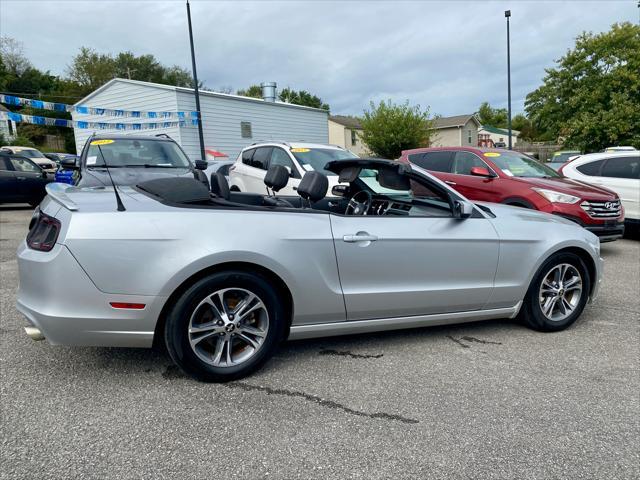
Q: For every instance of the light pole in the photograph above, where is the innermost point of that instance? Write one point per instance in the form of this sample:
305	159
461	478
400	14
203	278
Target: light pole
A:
507	14
195	85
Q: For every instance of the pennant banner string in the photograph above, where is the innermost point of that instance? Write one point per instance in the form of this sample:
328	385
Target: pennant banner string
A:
85	110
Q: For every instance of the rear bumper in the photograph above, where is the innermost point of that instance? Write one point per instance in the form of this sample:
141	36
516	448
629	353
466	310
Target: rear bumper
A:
57	297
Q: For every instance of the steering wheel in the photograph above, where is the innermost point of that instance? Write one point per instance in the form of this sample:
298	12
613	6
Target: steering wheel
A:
359	205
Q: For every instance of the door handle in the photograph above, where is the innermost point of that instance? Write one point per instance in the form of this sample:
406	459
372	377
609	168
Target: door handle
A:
21	178
359	237
449	182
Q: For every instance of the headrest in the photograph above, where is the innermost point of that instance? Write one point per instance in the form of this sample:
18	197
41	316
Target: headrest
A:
277	177
392	179
313	186
219	185
349	174
176	189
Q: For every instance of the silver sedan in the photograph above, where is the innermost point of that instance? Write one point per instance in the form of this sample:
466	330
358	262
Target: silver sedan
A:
221	278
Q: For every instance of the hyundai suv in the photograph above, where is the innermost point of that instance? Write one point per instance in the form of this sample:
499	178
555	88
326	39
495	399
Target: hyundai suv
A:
247	174
512	178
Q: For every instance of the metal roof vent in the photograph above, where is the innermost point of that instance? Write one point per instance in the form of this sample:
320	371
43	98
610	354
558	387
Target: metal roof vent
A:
268	91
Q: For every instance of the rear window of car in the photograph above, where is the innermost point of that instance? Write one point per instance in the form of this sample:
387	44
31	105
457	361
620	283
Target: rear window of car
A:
435	161
622	167
591	169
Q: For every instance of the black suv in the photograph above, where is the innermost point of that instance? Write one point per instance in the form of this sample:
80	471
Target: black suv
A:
132	159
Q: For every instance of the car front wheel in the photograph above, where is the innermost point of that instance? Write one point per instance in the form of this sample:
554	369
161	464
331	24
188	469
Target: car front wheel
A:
225	326
558	293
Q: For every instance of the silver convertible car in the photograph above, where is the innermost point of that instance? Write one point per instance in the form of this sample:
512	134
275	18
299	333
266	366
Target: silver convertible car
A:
221	278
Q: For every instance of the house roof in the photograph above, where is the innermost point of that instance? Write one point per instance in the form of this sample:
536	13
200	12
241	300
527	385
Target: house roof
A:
3	108
455	121
499	131
346	121
203	93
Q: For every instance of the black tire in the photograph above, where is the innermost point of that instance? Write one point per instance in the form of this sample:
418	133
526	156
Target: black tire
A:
177	325
531	313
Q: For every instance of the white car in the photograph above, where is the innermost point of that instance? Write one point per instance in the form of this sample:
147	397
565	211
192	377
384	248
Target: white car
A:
34	155
248	172
620	149
617	171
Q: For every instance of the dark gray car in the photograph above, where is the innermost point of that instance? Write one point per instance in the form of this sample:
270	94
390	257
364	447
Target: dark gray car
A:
132	159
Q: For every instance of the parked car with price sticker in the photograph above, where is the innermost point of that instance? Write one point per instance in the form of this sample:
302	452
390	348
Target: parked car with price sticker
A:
131	159
249	170
512	178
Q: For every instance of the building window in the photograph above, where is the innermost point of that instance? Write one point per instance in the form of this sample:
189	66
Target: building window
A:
354	137
245	130
469	137
10	128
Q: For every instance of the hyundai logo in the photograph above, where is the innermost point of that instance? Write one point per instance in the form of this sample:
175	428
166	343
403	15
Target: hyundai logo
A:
609	205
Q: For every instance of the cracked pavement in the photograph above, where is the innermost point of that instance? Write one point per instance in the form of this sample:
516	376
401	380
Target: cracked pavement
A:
482	400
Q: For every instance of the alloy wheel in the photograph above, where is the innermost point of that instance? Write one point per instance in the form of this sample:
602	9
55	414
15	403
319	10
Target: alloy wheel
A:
560	292
228	327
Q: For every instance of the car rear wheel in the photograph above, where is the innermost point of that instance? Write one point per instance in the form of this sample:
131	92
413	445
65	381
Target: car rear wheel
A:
558	293
225	326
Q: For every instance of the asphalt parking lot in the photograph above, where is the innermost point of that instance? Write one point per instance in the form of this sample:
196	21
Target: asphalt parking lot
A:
482	400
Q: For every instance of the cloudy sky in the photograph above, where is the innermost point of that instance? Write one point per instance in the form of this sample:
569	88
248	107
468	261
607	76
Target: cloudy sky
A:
450	55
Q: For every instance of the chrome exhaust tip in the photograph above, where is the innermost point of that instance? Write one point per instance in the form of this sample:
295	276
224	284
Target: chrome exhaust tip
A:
34	333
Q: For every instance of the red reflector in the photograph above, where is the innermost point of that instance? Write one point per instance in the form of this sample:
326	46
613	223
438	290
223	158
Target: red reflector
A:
128	306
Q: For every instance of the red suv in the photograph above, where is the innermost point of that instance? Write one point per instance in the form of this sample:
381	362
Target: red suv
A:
505	176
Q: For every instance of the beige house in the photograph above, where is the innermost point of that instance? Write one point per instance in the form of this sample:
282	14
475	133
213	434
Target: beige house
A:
345	132
458	131
496	137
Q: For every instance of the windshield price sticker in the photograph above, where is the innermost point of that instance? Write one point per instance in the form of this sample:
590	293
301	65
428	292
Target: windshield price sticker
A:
307	167
300	150
491	154
92	160
102	142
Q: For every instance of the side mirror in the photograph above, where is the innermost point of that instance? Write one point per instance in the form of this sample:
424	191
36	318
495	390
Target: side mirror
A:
462	209
69	164
340	190
201	165
481	172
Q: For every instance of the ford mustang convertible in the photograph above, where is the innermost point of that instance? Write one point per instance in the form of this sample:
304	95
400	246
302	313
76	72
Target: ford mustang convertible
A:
221	278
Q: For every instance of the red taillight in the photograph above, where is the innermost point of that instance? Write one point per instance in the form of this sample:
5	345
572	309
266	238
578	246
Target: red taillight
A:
44	233
127	305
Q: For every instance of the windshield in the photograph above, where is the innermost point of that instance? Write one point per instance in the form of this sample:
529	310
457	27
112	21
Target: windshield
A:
561	157
317	158
135	153
30	153
515	164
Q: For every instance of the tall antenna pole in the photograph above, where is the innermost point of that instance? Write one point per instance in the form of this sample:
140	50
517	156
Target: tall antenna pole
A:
507	14
195	85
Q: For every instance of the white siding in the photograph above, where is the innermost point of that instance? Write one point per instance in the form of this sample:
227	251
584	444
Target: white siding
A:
269	121
128	96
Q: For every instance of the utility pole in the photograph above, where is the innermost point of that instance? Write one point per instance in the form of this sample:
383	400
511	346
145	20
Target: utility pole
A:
195	85
507	14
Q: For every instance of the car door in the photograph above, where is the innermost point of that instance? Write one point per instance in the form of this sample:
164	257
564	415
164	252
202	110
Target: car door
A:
472	186
8	182
29	177
622	175
280	157
257	169
395	266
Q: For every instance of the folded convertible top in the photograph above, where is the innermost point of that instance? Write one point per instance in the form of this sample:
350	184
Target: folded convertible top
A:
176	189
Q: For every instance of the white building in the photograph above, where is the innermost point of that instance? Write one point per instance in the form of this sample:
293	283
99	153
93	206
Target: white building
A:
230	122
489	136
7	127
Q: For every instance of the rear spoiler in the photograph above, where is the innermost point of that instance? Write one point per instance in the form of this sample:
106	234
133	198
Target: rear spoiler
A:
57	192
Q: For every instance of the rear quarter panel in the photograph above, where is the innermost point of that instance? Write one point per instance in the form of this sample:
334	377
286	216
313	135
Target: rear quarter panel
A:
152	253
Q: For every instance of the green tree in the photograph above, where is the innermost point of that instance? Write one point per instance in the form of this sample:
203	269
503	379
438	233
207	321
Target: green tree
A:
494	117
254	91
592	97
302	97
389	128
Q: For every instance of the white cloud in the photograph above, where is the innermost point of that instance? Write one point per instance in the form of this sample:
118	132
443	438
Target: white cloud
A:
448	55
